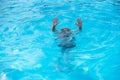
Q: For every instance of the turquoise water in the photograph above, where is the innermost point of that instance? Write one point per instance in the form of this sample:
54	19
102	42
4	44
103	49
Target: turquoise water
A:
28	50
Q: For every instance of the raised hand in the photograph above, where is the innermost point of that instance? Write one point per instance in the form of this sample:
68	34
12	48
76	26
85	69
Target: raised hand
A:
79	22
55	21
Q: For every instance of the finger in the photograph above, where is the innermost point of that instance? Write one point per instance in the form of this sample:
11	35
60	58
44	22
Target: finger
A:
55	19
78	20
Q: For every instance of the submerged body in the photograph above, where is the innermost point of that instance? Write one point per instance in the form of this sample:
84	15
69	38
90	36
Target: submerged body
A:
66	39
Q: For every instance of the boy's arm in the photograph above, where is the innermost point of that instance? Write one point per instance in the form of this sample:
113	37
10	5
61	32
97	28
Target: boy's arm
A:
55	22
79	24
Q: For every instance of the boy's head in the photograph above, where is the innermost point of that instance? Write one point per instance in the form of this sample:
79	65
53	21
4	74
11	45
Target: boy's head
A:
65	30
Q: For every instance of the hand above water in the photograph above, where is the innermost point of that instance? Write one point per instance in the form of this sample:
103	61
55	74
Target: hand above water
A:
79	22
55	21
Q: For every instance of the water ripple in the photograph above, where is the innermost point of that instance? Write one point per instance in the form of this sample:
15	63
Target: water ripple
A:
27	44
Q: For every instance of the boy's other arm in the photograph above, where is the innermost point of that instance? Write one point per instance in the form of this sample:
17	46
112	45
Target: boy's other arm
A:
79	24
55	22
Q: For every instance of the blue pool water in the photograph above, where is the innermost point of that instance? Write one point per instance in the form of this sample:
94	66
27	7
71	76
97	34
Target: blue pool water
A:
28	50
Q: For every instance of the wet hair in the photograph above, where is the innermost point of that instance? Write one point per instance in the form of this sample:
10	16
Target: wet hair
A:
65	29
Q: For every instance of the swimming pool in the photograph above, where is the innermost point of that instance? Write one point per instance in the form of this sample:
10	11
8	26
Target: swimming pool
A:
28	50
